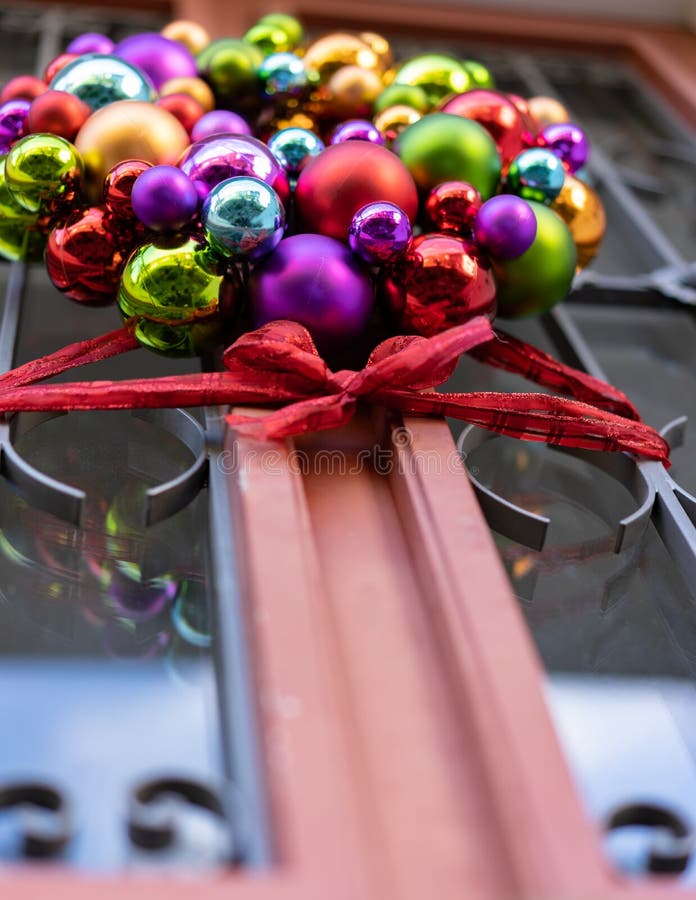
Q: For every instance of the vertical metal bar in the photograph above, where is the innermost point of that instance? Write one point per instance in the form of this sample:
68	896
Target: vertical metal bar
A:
10	314
50	37
238	714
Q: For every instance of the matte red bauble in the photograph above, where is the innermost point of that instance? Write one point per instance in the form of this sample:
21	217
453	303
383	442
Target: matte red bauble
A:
23	87
345	177
183	107
58	112
441	282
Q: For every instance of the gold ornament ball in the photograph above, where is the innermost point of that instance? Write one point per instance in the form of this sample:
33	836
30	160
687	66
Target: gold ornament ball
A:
192	35
392	120
297	119
547	111
194	87
581	209
438	74
381	47
128	129
353	91
338	49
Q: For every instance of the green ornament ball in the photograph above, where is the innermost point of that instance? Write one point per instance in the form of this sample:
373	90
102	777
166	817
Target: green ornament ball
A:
535	281
289	24
170	294
275	33
402	95
443	147
43	172
480	76
230	66
438	74
20	238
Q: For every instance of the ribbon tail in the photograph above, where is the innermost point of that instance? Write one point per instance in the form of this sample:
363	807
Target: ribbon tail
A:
107	345
513	355
539	417
196	389
316	414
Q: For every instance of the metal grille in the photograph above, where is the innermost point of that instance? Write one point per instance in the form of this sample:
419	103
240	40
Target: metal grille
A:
119	605
615	629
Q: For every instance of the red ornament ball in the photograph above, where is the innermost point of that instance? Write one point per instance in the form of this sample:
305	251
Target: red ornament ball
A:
441	282
55	65
183	107
497	114
530	124
58	112
85	257
343	178
23	87
118	187
452	207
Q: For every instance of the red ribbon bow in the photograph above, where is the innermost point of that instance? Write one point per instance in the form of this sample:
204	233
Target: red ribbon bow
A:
280	364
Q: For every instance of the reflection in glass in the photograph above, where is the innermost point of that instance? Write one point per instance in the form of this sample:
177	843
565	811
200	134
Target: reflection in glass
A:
616	633
105	656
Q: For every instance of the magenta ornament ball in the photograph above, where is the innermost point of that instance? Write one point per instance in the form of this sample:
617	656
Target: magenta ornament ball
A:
568	142
505	226
164	199
13	122
90	42
219	121
221	156
357	130
380	233
157	56
314	280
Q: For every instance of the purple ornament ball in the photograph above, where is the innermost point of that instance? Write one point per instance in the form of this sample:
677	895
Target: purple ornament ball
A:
90	42
314	280
357	130
164	199
568	142
157	56
219	121
380	233
505	226
221	156
13	122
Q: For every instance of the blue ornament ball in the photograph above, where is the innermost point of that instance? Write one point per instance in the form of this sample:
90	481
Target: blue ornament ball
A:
294	147
243	218
536	174
283	74
99	79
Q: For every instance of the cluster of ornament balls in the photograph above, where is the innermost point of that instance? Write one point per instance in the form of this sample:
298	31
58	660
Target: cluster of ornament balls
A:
212	186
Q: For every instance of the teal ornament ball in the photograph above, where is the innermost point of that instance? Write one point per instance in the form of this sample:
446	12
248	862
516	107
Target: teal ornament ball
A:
540	277
283	75
444	147
536	174
243	218
99	79
294	147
